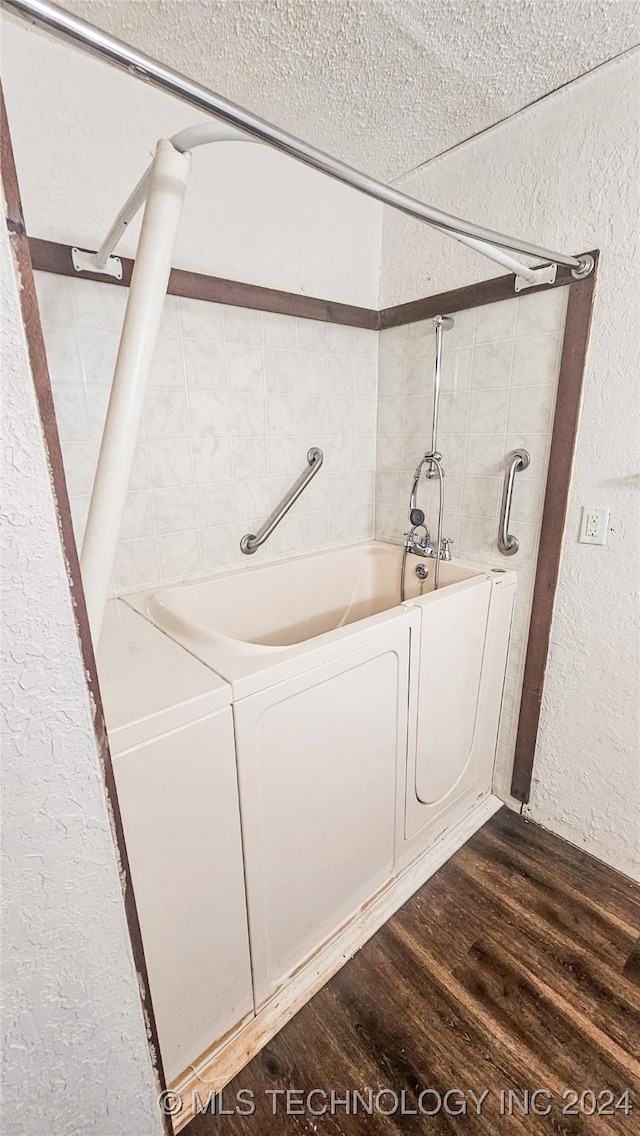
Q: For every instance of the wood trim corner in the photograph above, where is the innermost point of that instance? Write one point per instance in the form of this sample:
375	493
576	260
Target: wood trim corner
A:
563	440
50	256
44	400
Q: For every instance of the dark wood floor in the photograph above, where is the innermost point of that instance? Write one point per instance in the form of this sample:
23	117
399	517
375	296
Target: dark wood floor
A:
515	967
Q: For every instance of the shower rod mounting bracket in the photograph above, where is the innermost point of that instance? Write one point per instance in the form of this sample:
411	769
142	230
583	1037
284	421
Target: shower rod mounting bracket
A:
546	274
86	262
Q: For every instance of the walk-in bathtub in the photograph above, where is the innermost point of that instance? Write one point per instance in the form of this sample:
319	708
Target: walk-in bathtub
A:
364	734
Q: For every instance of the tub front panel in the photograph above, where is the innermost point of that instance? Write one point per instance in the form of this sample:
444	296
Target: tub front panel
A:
317	763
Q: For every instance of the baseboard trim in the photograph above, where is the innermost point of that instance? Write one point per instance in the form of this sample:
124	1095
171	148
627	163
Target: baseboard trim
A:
217	1067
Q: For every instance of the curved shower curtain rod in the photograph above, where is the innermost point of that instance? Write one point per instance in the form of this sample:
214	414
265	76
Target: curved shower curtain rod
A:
486	241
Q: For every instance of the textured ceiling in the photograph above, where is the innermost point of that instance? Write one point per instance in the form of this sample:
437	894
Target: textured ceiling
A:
383	84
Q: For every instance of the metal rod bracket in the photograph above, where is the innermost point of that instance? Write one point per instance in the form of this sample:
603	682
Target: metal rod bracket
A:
86	262
546	274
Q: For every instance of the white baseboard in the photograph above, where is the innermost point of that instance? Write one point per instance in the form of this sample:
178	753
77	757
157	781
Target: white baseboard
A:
218	1066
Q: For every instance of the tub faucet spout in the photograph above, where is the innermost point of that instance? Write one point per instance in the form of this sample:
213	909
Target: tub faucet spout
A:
414	544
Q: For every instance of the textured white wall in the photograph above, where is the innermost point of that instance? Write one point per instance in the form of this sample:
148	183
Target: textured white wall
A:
565	173
250	214
75	1055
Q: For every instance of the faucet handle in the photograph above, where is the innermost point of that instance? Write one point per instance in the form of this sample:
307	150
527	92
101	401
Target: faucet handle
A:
445	547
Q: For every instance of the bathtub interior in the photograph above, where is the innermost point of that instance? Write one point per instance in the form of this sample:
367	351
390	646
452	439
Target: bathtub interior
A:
293	601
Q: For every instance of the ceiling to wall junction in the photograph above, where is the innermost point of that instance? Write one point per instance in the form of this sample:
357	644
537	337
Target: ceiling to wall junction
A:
383	84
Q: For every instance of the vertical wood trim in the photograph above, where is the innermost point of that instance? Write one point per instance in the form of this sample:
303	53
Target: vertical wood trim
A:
46	410
563	440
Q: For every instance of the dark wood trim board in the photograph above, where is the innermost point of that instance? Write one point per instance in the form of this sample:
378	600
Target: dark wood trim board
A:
563	440
50	256
44	399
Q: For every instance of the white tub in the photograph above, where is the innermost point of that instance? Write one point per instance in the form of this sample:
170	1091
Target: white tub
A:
244	621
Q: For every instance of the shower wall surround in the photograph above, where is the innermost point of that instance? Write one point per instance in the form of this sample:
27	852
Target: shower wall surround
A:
236	398
500	374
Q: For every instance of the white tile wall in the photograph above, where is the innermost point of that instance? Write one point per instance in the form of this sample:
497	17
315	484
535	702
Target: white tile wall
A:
500	372
235	400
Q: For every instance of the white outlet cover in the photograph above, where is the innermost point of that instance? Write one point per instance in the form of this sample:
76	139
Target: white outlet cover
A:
594	525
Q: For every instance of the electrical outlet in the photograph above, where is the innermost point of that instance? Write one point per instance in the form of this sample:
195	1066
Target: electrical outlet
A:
594	525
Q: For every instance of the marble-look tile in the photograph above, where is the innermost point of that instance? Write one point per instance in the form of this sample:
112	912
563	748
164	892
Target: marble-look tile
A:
54	298
312	335
366	413
63	355
452	448
283	456
496	321
282	414
279	330
179	554
453	412
456	369
281	370
175	509
419	375
208	414
526	504
341	523
392	343
98	305
169	462
341	340
242	325
390	415
366	378
205	364
312	374
341	488
541	312
137	517
462	332
314	529
245	367
491	365
366	343
136	563
364	451
97	399
340	376
363	487
247	414
212	459
340	453
387	487
219	548
200	319
165	414
530	409
215	504
389	451
477	537
391	378
251	499
167	368
98	352
484	455
79	466
536	360
488	411
421	338
480	496
71	412
340	416
418	411
312	414
250	457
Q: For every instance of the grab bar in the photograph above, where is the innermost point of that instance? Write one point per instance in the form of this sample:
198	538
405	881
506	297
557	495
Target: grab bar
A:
508	544
252	541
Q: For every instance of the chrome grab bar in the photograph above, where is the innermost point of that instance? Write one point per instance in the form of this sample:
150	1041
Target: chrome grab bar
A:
252	541
508	545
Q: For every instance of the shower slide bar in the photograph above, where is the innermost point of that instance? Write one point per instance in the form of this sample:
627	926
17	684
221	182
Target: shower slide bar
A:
252	541
508	544
488	242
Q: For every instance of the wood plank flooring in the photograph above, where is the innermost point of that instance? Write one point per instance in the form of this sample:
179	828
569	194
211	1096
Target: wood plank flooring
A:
516	967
